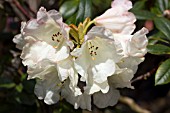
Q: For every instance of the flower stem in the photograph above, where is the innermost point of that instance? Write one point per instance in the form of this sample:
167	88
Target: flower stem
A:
87	26
85	30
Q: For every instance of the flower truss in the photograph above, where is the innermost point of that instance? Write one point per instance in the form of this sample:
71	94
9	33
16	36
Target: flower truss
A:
88	67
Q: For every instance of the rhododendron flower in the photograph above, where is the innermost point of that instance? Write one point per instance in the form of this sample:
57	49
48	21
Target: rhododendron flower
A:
50	79
131	47
117	18
92	68
46	48
96	61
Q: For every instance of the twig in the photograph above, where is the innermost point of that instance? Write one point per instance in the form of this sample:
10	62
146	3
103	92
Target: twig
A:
130	102
17	4
18	12
144	76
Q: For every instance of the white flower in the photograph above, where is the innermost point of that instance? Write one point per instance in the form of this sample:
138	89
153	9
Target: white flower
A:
96	60
45	38
132	48
46	48
132	45
107	59
51	79
117	18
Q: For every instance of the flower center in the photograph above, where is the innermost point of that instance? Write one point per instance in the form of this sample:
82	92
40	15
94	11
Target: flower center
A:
92	50
57	38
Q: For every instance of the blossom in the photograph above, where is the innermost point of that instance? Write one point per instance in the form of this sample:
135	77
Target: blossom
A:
131	47
105	59
51	79
45	37
45	46
117	18
96	61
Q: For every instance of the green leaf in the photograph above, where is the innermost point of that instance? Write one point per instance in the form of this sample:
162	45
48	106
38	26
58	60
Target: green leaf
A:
163	73
72	19
163	25
156	11
144	14
68	8
162	4
19	87
139	5
84	10
8	86
158	49
97	9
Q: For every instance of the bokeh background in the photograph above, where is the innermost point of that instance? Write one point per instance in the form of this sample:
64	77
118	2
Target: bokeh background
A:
149	96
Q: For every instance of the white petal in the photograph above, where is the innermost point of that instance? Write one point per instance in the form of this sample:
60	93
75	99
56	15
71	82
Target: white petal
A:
83	101
35	52
65	68
122	78
104	100
139	38
76	52
93	87
132	45
131	63
41	69
103	69
125	4
48	88
111	18
48	27
19	40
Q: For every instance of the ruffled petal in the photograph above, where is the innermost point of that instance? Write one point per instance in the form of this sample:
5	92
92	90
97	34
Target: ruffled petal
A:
83	101
122	78
35	52
125	4
41	69
48	88
111	18
108	99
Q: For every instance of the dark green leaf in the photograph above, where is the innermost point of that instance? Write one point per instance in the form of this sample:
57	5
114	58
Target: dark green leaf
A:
144	14
162	4
72	19
97	9
163	73
139	5
163	25
68	8
156	11
158	49
84	10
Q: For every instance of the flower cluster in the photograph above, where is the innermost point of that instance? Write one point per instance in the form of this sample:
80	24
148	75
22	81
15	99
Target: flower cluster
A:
105	59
